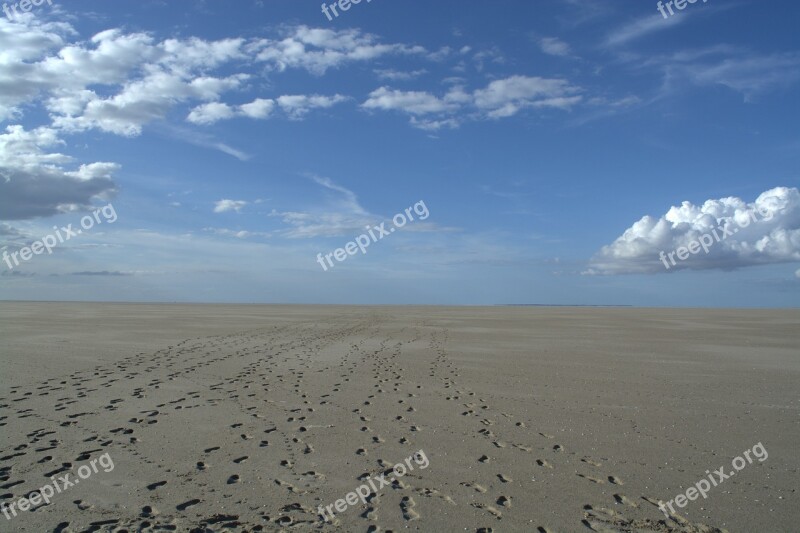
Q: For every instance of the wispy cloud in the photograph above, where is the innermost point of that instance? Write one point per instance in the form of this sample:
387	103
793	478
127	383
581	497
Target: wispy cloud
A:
642	27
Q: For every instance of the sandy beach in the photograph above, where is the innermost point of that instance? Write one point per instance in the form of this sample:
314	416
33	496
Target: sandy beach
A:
253	418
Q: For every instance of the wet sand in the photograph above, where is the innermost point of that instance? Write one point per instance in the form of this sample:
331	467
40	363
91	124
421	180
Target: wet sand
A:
248	418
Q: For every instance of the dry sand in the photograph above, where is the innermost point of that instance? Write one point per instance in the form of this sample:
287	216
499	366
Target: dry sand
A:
233	418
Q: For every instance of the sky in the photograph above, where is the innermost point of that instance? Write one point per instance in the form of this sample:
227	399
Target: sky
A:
504	152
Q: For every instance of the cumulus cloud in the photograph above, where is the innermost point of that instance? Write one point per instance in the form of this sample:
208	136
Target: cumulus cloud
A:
295	106
35	182
766	231
500	99
118	82
317	50
210	113
504	98
411	102
224	206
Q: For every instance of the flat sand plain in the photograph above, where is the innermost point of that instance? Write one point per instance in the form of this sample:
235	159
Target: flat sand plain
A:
248	418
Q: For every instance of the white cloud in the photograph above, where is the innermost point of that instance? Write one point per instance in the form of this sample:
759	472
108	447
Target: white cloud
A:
317	49
225	205
35	183
210	113
773	238
298	105
398	75
554	46
504	98
501	98
258	108
119	82
412	102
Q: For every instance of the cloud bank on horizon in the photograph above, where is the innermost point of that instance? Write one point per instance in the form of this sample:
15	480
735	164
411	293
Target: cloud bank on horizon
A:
767	231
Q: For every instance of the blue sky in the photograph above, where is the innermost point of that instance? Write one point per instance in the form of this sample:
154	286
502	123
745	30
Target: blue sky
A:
558	147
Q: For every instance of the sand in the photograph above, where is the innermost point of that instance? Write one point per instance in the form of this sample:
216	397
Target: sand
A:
248	418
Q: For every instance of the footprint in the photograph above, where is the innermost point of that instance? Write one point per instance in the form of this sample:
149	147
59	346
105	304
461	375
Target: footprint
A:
406	505
154	486
490	509
185	505
288	486
504	501
477	487
83	506
622	499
